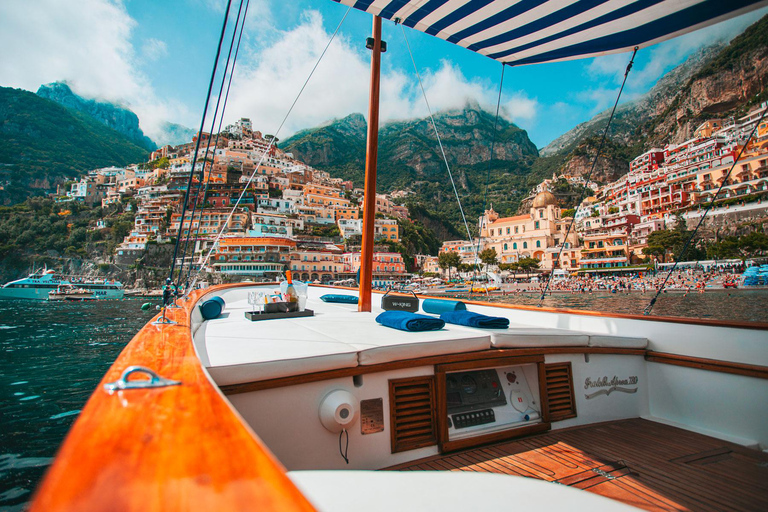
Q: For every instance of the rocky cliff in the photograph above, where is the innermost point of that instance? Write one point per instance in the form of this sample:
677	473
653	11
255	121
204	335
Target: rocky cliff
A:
717	81
119	119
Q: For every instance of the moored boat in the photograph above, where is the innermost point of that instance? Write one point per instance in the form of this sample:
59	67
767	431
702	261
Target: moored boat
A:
38	286
71	293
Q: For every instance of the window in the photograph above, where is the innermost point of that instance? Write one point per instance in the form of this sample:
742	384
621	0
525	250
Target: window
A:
514	246
536	225
541	214
525	245
538	243
507	230
505	247
515	229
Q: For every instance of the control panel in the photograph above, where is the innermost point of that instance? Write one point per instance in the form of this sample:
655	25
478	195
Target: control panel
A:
473	390
491	399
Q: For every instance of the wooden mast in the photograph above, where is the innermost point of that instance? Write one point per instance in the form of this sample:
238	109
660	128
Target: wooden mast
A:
372	146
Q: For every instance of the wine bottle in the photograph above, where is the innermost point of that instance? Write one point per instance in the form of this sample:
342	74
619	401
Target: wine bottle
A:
290	291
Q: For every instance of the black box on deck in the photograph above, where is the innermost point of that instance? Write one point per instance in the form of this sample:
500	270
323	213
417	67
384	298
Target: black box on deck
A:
400	302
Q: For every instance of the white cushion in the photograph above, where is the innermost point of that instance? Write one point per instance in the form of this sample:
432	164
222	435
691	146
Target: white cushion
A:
238	351
612	341
378	344
519	336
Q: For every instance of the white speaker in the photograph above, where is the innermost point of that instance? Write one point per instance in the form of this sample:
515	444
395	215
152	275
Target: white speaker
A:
338	410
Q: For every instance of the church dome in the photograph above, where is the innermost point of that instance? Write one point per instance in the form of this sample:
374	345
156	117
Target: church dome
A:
544	199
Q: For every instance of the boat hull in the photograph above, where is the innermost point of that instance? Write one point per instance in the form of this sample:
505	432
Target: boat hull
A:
42	293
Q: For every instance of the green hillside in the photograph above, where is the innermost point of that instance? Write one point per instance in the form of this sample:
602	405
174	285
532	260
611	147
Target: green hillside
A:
410	159
42	143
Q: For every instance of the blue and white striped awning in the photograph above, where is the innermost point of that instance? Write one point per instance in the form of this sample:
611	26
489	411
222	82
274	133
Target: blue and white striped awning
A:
530	31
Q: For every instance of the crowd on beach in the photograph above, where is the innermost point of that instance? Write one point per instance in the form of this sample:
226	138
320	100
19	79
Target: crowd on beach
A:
688	280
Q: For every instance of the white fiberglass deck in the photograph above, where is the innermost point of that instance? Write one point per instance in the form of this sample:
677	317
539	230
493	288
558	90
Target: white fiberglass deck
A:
236	350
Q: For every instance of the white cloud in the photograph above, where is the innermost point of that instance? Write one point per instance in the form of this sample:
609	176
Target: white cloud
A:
267	82
154	49
87	43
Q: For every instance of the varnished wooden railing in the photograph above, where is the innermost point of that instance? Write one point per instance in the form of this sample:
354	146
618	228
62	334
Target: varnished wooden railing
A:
175	448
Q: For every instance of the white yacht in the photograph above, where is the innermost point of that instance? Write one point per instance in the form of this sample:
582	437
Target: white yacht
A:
38	286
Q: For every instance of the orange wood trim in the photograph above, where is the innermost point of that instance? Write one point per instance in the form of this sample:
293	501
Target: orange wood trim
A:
246	387
175	448
488	363
713	365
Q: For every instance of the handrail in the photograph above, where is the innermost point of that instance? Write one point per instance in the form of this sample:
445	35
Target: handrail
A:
181	447
582	312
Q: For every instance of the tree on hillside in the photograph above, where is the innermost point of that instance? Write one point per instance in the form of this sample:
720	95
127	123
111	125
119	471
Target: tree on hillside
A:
448	260
528	264
489	257
668	244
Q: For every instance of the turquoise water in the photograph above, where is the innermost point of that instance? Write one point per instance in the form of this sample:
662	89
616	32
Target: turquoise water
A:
52	355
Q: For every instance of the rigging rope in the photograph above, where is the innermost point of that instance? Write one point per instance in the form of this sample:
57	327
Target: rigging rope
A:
218	130
197	144
440	143
649	307
556	262
266	151
197	200
488	174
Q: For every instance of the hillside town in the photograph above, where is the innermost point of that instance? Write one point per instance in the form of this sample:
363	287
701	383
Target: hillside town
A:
258	211
613	224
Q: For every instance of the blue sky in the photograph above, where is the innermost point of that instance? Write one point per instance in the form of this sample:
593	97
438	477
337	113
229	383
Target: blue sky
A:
156	58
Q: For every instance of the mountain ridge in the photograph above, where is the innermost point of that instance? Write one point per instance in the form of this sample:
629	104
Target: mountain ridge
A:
42	143
114	116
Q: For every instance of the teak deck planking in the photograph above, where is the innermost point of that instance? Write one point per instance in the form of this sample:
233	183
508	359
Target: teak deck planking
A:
642	463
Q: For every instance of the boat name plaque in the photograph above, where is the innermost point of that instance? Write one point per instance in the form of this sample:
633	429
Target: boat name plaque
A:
609	386
371	416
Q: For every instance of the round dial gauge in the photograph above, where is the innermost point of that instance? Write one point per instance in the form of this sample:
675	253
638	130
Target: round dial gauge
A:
468	384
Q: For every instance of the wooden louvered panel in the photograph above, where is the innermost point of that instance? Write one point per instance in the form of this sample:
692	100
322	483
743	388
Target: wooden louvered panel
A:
412	413
559	384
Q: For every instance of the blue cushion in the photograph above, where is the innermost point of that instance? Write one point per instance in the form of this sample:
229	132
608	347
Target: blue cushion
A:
471	319
212	308
406	321
342	299
437	306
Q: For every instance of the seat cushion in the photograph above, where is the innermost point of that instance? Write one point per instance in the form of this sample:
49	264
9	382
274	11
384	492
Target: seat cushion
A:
378	344
613	341
238	352
518	336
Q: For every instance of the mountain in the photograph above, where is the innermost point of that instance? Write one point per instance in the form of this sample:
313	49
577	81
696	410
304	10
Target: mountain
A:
410	159
116	117
173	134
718	81
337	146
42	143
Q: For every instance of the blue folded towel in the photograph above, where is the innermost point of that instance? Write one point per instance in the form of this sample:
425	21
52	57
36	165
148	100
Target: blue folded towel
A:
343	299
406	321
437	306
475	320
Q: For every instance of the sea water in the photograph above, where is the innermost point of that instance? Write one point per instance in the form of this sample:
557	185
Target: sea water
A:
53	354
